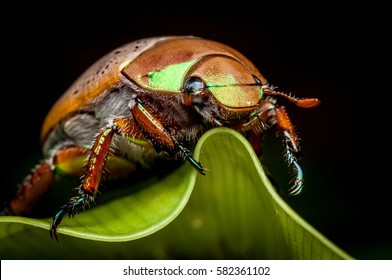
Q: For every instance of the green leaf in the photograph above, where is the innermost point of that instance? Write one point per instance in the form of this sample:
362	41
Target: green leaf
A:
231	213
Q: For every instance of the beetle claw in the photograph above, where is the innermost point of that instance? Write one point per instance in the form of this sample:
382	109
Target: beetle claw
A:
56	221
296	189
187	154
53	232
72	208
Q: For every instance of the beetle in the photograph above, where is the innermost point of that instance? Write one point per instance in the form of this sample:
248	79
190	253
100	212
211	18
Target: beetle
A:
151	99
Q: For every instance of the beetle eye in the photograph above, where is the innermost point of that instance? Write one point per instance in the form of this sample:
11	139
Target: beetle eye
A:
194	86
257	80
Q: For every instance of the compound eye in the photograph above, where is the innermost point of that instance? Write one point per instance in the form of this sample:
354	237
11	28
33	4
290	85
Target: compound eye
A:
257	80
194	86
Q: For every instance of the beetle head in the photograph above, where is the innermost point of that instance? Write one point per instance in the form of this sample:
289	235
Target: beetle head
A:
223	84
213	78
216	85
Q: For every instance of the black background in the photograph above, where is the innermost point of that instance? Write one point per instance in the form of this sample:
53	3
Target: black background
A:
337	56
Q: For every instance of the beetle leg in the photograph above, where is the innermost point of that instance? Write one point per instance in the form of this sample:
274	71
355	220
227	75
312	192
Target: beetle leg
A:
38	182
34	186
89	187
155	131
290	139
96	163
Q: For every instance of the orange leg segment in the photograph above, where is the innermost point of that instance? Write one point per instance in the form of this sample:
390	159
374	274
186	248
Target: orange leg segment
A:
287	127
41	178
34	187
155	131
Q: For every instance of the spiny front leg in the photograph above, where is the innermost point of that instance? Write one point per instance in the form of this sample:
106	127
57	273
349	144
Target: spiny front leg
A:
288	133
290	139
94	170
155	131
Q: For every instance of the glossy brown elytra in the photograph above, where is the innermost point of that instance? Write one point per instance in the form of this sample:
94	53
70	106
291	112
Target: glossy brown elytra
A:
152	99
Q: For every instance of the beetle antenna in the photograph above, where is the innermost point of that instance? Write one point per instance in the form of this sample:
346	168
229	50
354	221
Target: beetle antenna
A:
301	102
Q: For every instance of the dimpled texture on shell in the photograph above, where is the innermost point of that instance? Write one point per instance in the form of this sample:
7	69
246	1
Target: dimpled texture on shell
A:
97	78
136	59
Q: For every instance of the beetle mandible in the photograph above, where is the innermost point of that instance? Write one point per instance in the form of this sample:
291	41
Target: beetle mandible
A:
149	99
